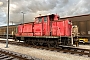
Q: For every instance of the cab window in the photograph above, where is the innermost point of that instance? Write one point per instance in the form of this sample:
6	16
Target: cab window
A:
45	19
39	20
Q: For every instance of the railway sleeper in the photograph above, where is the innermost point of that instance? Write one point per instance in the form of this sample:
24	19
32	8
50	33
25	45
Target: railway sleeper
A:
5	54
89	54
3	57
82	52
76	51
79	52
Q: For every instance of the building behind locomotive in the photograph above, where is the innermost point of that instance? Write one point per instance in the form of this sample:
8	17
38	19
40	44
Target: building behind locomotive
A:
83	23
82	39
2	31
12	31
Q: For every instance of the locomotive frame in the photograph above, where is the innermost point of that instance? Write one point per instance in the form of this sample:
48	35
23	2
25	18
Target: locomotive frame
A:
50	41
43	37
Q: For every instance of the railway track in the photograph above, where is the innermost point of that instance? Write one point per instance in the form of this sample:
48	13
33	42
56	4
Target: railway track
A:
10	55
67	49
64	49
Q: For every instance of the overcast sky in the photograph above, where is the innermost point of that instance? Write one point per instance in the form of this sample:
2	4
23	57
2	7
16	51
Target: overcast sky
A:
33	8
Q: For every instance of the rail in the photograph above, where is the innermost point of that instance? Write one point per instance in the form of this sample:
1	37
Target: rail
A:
10	55
64	49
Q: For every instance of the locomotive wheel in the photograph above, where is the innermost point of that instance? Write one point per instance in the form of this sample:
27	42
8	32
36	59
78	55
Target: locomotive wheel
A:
41	43
55	44
48	45
35	43
52	45
25	41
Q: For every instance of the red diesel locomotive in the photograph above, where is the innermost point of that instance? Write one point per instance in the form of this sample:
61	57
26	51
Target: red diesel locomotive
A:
46	30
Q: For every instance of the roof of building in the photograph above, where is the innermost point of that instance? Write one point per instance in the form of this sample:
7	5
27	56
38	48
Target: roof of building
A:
78	18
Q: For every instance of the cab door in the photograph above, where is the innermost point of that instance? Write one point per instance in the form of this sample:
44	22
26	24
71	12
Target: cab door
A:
46	26
38	27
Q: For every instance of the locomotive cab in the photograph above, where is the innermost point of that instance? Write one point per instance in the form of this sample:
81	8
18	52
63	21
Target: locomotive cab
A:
38	19
41	19
43	25
53	17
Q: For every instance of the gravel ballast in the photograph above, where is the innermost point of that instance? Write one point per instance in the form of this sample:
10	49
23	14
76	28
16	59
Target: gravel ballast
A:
44	54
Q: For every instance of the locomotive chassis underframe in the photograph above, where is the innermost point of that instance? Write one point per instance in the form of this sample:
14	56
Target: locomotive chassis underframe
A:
50	41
